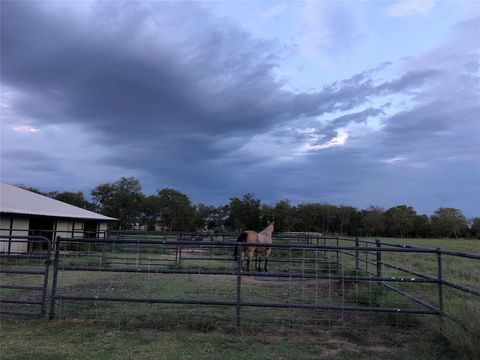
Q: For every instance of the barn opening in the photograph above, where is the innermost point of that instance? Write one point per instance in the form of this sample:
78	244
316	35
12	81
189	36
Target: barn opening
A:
40	226
90	229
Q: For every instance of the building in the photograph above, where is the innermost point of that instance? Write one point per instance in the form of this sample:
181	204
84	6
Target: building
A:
23	213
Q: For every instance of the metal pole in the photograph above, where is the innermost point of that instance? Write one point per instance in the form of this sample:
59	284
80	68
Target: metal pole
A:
51	314
10	238
338	264
104	255
440	281
366	260
180	256
379	258
324	244
43	310
357	254
239	283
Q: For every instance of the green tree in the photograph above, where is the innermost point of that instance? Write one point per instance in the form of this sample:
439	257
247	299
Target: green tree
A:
448	221
72	198
244	213
176	210
475	227
373	221
283	214
204	216
220	216
150	215
31	188
400	220
421	226
347	220
309	217
121	199
267	215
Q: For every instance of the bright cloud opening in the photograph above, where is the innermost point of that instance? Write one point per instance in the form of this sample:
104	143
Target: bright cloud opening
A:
394	160
408	8
24	129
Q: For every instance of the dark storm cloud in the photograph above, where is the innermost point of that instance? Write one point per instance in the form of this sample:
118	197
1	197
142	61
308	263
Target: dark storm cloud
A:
173	92
96	79
31	160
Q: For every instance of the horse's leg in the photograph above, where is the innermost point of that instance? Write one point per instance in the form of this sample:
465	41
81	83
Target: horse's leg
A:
259	265
266	260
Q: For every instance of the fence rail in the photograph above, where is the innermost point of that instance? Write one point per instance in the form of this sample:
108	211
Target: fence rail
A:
306	269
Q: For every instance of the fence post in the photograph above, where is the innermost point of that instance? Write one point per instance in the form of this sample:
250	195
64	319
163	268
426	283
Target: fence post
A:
379	258
338	264
239	282
51	314
10	236
104	245
48	262
357	257
365	244
176	251
440	280
179	256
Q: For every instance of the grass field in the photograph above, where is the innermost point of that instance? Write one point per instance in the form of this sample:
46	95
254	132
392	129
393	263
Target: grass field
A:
124	330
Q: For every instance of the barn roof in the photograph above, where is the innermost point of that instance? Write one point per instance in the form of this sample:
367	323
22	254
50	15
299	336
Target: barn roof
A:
14	200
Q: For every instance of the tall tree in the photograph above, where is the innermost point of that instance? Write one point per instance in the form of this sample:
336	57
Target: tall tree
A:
72	198
267	215
448	221
283	215
244	213
373	221
347	220
176	210
121	199
31	188
475	227
400	220
150	214
421	226
204	216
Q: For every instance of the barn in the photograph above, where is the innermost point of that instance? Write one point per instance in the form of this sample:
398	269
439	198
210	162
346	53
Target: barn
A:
25	213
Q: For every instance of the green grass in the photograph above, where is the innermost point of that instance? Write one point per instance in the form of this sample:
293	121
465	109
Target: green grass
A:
60	339
465	245
125	330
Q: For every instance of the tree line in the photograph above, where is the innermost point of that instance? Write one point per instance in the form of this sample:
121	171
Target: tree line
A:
172	210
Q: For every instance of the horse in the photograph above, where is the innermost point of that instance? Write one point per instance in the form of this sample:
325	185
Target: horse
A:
250	236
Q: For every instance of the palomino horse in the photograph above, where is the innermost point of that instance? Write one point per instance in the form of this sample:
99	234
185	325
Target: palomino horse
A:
250	236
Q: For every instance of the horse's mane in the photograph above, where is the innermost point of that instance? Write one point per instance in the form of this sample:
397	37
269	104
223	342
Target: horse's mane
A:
268	229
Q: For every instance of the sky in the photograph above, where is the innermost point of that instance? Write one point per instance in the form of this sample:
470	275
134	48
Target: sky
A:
357	103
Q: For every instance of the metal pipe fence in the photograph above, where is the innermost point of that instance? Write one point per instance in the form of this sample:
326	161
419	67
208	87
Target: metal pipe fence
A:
314	280
30	275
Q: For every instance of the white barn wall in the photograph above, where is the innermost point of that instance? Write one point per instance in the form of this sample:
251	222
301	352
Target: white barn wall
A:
78	230
102	228
64	228
21	226
5	226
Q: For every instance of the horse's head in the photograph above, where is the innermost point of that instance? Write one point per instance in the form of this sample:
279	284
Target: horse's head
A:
269	228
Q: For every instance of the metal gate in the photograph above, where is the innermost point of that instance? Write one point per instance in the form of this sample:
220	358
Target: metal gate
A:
24	285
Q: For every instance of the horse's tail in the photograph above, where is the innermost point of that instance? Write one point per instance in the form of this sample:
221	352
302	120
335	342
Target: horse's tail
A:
242	238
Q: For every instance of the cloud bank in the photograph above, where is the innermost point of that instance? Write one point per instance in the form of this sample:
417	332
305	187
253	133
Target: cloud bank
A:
179	97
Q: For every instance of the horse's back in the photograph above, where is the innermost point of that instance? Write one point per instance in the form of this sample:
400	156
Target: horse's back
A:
252	236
